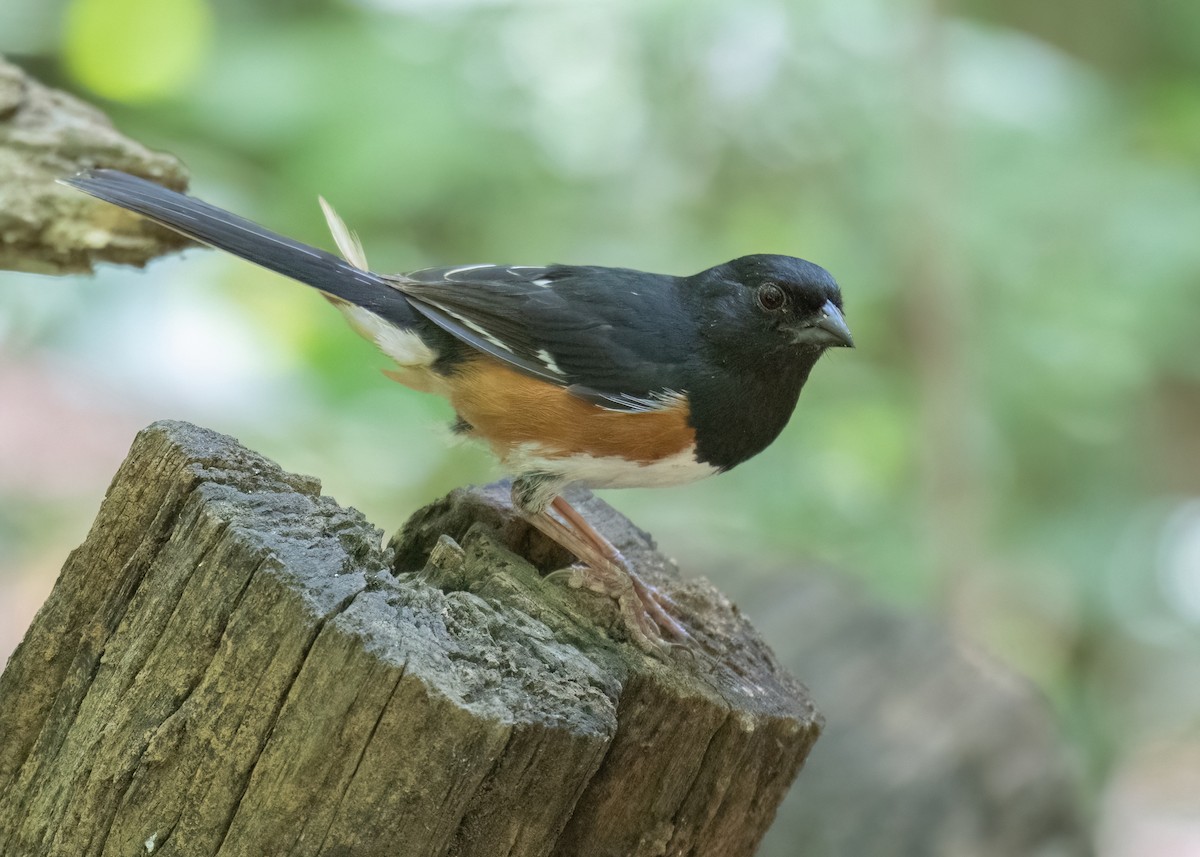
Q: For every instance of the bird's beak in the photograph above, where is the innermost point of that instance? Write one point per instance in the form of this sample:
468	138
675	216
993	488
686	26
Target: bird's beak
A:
828	331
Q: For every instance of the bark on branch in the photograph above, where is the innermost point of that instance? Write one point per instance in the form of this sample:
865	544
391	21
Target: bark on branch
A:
47	228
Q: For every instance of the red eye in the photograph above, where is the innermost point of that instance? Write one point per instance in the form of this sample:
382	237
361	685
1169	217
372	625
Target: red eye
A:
771	297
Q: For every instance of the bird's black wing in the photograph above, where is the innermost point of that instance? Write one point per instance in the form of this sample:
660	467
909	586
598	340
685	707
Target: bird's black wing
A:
612	336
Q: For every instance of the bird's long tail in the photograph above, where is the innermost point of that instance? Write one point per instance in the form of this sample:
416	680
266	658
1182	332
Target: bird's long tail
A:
226	231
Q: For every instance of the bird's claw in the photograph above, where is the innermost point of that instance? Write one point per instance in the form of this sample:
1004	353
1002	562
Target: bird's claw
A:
643	608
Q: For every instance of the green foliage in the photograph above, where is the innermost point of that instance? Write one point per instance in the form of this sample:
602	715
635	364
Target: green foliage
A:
136	50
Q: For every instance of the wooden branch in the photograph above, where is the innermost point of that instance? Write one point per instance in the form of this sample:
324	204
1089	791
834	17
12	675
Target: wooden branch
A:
232	664
47	228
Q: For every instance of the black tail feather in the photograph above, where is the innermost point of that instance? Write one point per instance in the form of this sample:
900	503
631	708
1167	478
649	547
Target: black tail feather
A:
219	228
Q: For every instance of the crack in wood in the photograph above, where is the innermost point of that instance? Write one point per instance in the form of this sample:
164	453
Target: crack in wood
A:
273	716
383	709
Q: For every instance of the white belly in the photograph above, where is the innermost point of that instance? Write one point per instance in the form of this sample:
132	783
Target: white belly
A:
605	472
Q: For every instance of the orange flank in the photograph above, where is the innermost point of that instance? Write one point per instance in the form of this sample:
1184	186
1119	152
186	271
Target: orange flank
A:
509	409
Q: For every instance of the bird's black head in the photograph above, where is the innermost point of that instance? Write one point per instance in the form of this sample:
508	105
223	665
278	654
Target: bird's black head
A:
763	322
768	304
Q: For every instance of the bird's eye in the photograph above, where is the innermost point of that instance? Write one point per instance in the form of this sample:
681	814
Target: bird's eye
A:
771	297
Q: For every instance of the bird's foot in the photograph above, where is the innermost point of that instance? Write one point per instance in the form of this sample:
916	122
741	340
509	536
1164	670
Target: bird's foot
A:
644	608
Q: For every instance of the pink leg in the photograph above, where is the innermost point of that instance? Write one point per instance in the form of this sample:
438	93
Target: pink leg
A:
654	601
642	606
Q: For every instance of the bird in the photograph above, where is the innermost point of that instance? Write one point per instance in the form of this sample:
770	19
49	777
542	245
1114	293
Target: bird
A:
571	374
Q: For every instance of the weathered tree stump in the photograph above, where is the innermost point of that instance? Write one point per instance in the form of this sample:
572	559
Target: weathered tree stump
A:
232	664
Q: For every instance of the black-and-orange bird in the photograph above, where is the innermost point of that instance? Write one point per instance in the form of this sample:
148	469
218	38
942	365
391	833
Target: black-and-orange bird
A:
605	377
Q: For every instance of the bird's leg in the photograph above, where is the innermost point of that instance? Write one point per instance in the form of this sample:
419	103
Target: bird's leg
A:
605	571
600	575
652	601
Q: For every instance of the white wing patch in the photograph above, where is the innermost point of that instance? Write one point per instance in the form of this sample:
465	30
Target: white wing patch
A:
466	322
449	275
544	282
546	360
656	401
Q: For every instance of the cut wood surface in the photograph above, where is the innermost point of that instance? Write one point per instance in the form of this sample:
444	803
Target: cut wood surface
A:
233	664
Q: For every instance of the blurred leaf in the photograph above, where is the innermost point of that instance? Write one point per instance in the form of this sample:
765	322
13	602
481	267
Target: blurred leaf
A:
136	50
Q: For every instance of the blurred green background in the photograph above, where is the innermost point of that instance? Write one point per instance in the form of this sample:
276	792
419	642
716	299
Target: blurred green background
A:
1008	192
